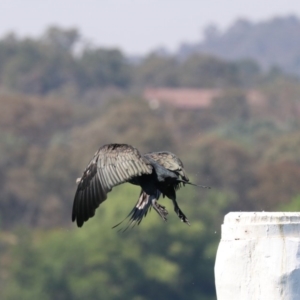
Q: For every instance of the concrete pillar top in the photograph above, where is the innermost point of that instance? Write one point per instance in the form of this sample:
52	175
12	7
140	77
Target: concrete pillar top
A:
249	225
263	217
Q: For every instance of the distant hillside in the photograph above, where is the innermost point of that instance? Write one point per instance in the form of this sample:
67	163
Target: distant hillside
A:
275	42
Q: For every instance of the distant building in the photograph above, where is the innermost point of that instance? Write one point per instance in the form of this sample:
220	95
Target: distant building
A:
180	97
192	98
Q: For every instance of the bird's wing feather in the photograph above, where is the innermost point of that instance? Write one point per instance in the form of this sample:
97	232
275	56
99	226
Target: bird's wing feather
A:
111	165
169	161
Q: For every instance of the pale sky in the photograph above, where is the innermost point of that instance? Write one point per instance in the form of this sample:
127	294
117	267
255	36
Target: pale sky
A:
136	26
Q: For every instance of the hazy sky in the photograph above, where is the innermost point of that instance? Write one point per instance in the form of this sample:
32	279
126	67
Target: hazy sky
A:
136	26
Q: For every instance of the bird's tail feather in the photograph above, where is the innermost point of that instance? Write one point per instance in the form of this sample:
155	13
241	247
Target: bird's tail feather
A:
140	210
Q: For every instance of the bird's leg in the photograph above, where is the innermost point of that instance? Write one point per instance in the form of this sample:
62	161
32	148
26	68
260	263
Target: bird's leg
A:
160	209
179	213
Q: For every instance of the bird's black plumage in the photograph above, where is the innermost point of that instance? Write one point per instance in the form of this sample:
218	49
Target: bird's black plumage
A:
113	164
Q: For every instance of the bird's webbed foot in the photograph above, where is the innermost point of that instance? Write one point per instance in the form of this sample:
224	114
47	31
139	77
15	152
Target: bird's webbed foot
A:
161	210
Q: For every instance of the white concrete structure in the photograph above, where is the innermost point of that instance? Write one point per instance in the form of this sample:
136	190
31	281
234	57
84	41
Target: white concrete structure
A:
259	257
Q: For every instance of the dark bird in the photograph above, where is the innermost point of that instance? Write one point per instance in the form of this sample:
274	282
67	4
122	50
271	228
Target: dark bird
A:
157	173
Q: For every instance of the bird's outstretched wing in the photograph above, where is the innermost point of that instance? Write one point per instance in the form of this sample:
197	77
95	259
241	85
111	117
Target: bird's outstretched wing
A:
111	165
169	161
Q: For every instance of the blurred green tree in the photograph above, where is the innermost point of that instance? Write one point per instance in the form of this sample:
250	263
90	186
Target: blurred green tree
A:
102	67
201	71
157	71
